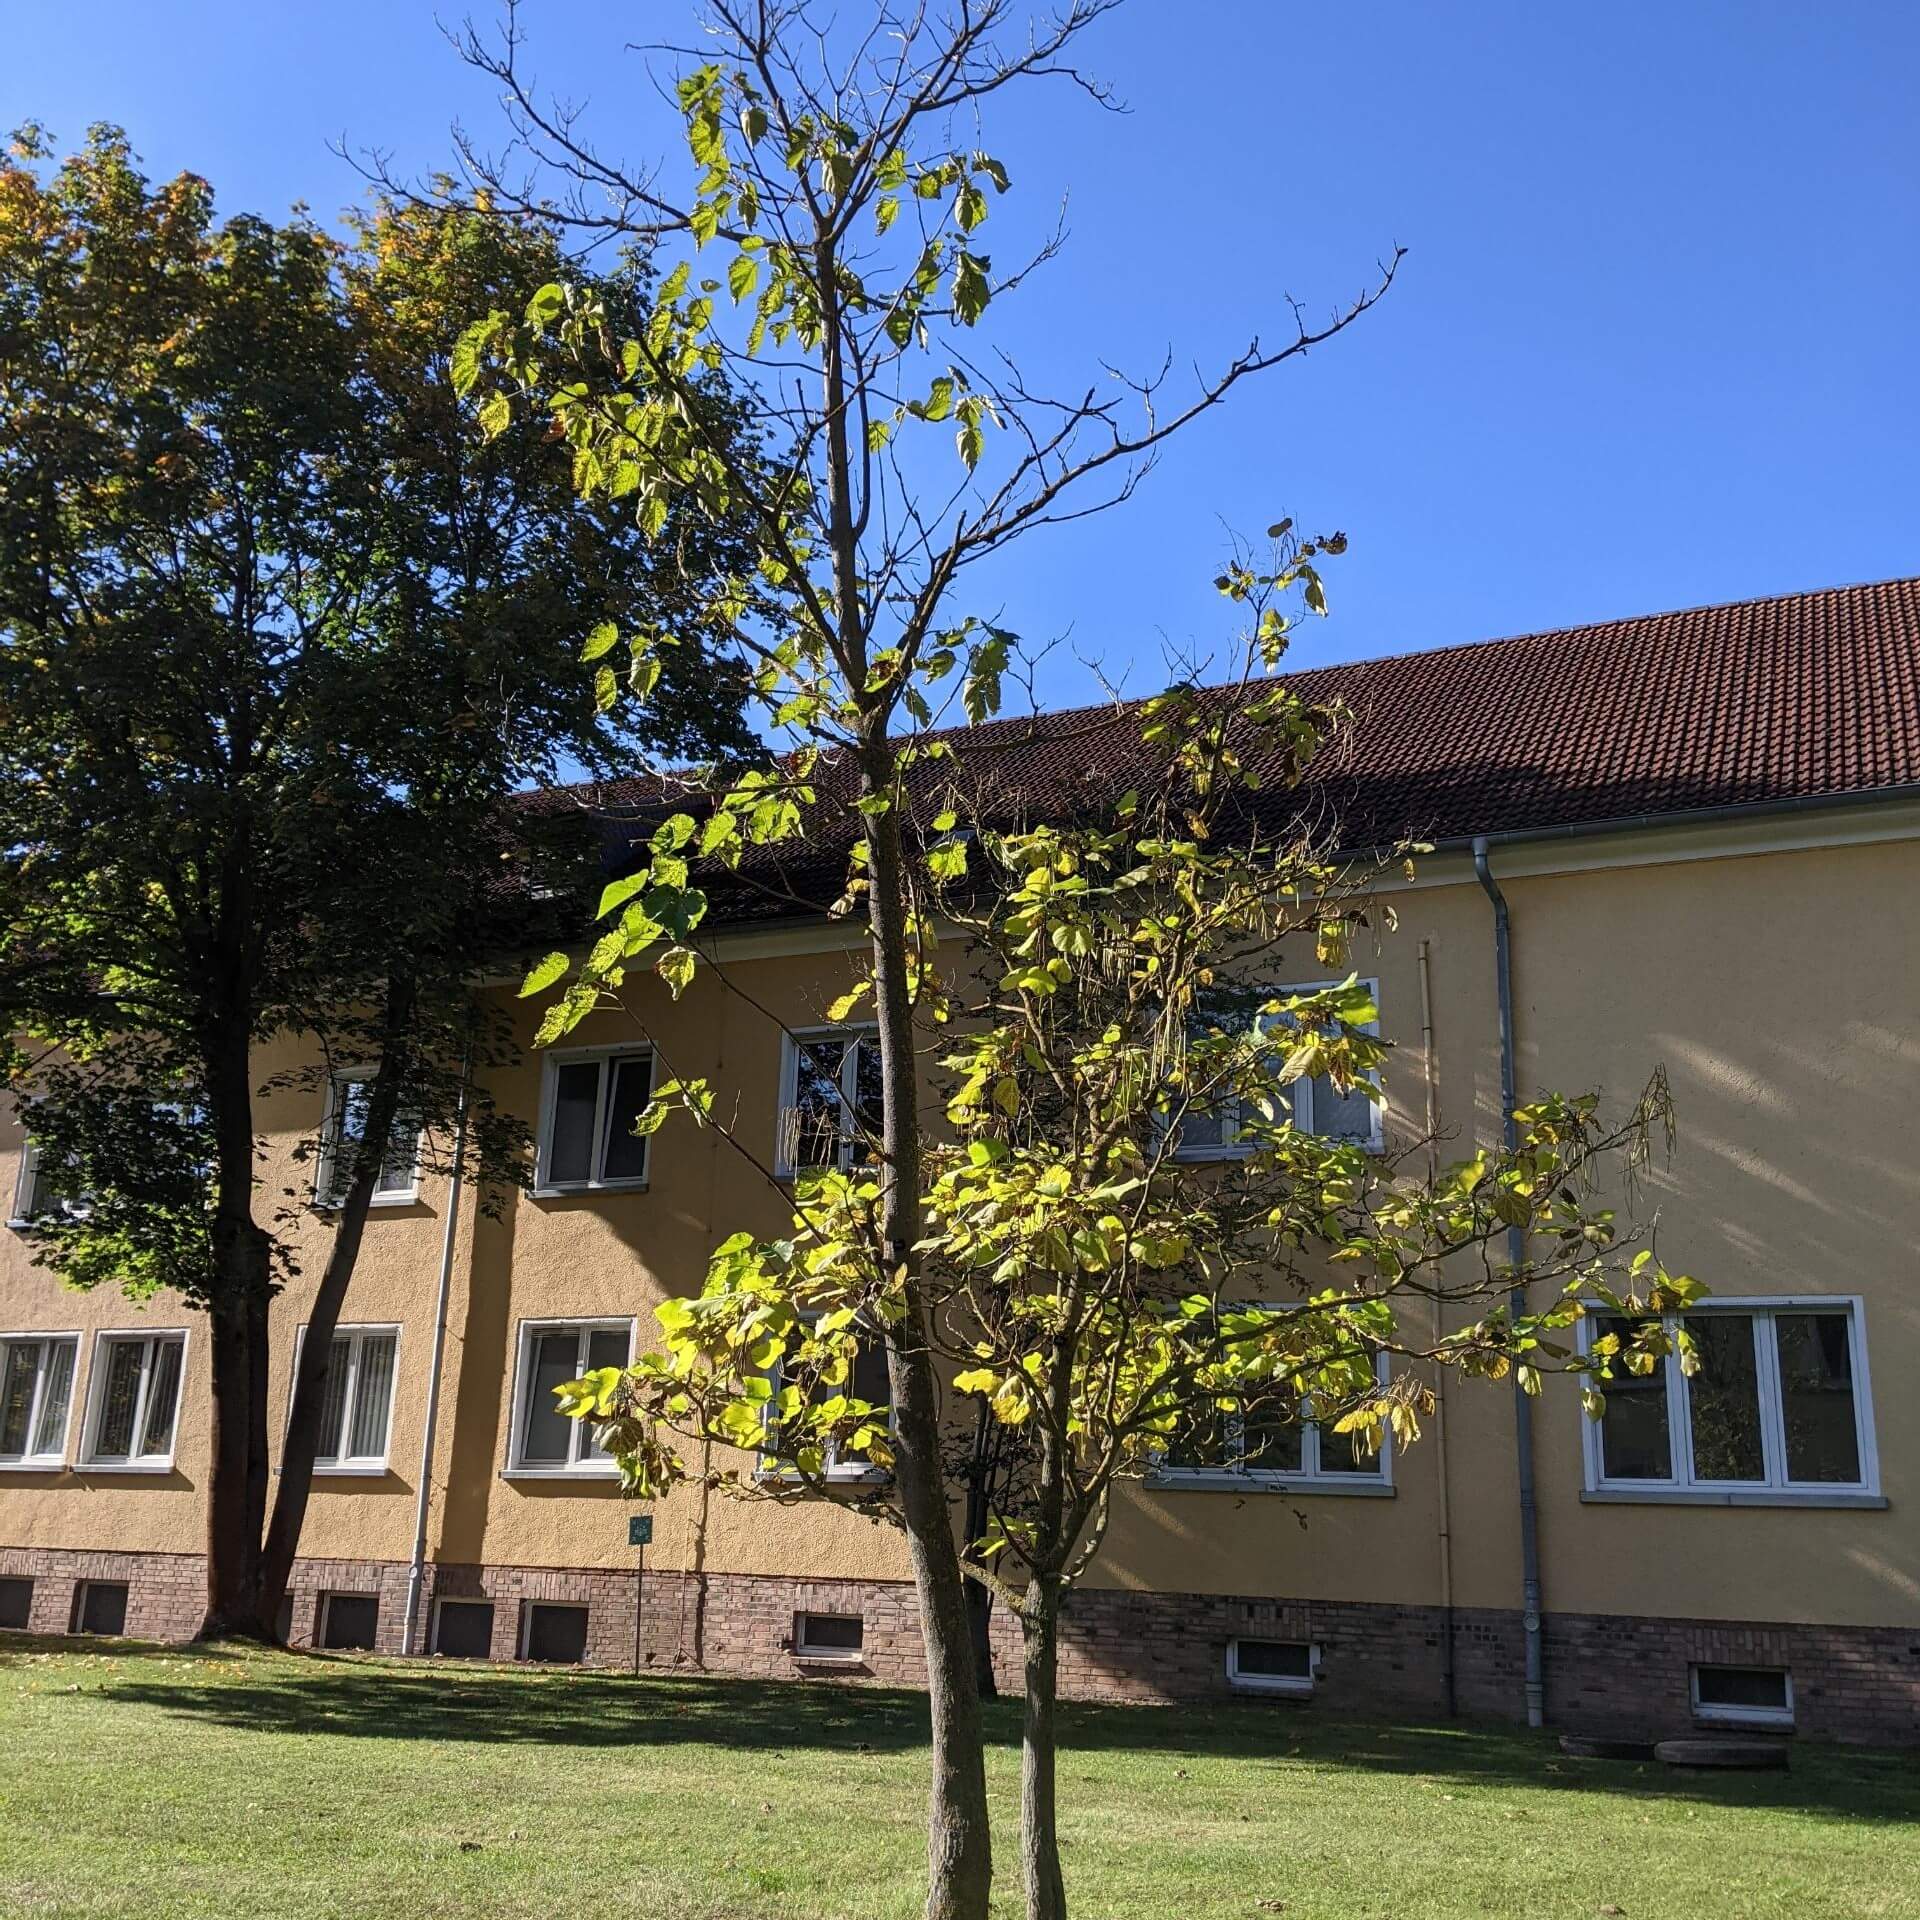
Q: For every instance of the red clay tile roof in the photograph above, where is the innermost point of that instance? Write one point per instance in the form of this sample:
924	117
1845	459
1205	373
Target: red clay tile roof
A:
1810	696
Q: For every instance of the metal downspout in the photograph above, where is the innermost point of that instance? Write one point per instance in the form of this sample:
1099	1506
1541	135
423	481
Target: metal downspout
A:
1430	1070
416	1569
1516	1304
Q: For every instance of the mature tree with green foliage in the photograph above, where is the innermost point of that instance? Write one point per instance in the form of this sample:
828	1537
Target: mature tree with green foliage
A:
279	638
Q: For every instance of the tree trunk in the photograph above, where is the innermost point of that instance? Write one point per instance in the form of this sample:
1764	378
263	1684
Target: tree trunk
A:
233	1541
1039	1824
959	1849
302	1444
237	1476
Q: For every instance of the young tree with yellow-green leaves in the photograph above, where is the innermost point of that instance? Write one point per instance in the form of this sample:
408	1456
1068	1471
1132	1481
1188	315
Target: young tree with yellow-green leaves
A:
1049	1254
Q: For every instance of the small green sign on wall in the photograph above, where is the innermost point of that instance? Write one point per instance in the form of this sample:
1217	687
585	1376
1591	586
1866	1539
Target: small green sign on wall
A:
639	1529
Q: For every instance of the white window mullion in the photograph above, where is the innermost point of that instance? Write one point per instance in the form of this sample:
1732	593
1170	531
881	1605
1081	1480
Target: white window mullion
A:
1679	1410
138	1435
349	1398
1773	1419
42	1372
597	1153
582	1345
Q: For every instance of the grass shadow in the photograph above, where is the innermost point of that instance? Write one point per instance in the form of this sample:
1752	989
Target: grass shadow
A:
355	1697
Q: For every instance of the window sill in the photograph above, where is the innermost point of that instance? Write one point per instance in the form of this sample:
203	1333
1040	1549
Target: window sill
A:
1197	1480
1758	1721
856	1658
411	1198
1731	1497
585	1476
125	1466
1284	1689
586	1189
33	1466
353	1470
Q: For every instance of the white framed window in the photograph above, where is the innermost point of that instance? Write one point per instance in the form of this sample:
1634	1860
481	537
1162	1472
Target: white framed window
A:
343	1128
831	1099
869	1380
347	1622
1317	1105
829	1636
590	1098
133	1401
463	1629
553	1633
1777	1412
100	1606
1742	1696
1271	1666
35	1192
356	1419
1275	1448
544	1440
36	1398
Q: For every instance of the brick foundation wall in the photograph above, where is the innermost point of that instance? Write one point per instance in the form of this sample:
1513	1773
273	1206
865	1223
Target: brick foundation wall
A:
1605	1673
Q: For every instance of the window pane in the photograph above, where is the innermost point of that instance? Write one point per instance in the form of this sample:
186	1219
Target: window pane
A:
606	1347
546	1434
163	1395
1202	1132
1724	1395
1203	1442
816	1101
869	1099
349	1621
397	1170
16	1393
372	1397
870	1381
830	1633
114	1440
463	1629
576	1093
1347	1453
1274	1659
1270	1438
1635	1437
1816	1396
1763	1687
626	1155
50	1430
556	1634
333	1409
1339	1116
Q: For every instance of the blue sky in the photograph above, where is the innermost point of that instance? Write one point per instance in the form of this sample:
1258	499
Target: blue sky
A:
1654	343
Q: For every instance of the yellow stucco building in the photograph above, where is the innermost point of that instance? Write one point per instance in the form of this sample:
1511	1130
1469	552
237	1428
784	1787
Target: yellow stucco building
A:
1706	829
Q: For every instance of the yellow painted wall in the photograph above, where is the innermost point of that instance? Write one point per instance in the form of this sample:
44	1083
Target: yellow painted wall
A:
1778	988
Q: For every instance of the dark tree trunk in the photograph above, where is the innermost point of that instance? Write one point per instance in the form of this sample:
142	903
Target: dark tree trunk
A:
1039	1824
233	1541
243	1287
302	1443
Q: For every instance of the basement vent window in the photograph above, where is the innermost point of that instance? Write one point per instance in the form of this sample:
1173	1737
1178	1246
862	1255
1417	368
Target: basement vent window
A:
556	1636
348	1622
16	1604
1270	1666
1743	1696
100	1606
463	1629
828	1636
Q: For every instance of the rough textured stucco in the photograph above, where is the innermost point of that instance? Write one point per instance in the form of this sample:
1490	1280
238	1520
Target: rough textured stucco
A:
1779	991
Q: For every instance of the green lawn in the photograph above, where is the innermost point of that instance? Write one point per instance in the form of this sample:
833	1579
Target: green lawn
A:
154	1782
